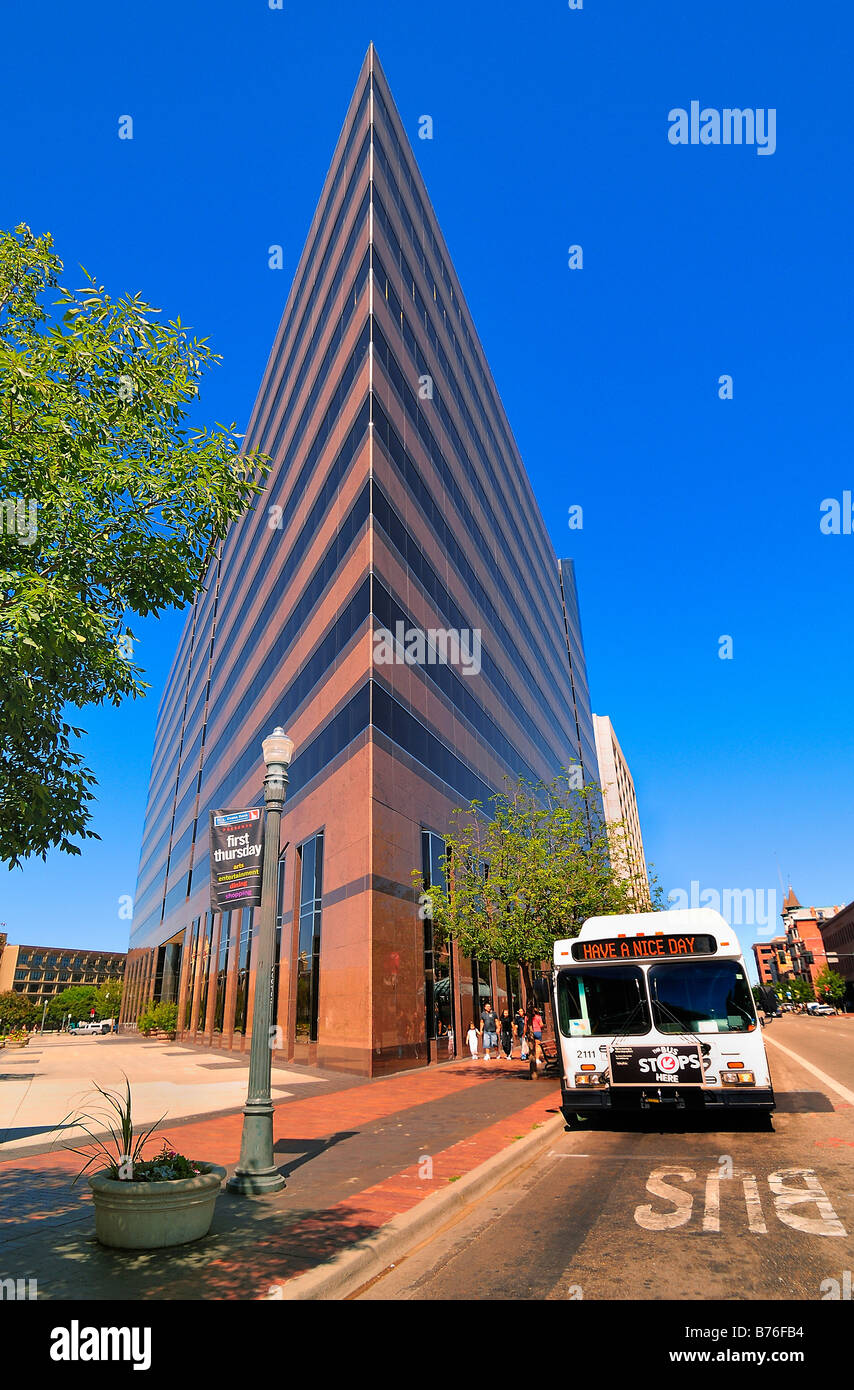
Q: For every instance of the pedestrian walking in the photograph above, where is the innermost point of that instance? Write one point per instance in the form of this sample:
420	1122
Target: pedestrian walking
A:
472	1039
488	1028
519	1030
537	1038
506	1034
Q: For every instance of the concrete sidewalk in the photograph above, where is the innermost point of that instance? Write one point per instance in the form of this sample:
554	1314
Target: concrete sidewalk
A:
55	1076
369	1166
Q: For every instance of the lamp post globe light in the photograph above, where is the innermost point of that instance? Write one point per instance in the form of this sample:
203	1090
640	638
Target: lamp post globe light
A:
256	1172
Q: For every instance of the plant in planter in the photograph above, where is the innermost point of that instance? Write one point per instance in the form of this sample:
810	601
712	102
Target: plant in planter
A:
166	1019
143	1203
145	1023
159	1020
18	1038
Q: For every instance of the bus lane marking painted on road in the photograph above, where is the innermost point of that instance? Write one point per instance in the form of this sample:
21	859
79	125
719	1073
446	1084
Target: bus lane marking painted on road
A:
827	1223
785	1197
836	1086
712	1212
683	1202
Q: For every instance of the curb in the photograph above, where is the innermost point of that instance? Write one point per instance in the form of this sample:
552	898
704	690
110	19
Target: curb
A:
348	1271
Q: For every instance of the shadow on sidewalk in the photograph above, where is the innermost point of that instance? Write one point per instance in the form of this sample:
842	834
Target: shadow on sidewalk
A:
496	1071
8	1136
308	1149
28	1196
253	1248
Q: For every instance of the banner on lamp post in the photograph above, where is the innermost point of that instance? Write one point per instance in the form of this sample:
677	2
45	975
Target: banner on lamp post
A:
237	856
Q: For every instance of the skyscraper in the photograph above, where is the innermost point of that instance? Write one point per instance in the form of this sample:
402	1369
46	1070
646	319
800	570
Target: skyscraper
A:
394	602
621	807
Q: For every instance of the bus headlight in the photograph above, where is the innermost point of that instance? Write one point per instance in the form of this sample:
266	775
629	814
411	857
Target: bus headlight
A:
591	1078
738	1078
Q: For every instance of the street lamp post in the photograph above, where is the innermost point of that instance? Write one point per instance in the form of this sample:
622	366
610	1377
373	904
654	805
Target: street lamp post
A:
256	1171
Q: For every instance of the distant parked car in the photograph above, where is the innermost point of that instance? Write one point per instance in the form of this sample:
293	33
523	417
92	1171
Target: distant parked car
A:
95	1025
820	1009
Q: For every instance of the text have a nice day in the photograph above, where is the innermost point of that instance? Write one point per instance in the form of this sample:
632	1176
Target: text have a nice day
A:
638	947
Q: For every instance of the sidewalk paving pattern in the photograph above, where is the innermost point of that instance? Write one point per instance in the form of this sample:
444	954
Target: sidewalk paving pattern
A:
53	1077
354	1158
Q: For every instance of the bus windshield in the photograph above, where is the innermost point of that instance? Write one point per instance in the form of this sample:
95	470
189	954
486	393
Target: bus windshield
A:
701	997
597	1002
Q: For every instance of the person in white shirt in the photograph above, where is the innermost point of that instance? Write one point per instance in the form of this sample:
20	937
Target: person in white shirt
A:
472	1037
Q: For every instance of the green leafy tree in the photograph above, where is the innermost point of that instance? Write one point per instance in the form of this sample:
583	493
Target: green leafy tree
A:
16	1011
829	987
531	873
110	506
795	991
108	999
77	1000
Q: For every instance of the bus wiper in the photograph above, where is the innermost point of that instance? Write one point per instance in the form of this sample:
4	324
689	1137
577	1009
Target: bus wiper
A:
745	1015
641	1004
683	1031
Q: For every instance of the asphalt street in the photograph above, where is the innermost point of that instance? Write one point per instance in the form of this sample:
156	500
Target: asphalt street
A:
672	1206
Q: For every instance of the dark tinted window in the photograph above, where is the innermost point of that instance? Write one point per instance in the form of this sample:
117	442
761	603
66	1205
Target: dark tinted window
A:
602	1002
310	919
701	997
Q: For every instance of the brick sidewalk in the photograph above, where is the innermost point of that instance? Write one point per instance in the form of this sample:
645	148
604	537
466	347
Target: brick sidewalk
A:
354	1159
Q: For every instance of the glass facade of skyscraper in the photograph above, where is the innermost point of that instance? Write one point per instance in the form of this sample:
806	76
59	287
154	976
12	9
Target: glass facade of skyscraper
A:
396	504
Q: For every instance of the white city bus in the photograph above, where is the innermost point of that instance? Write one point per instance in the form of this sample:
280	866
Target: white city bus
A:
654	1009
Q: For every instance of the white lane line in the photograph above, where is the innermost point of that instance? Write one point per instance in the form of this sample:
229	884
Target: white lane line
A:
808	1066
640	1158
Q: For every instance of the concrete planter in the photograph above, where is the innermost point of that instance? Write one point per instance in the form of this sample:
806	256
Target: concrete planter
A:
151	1215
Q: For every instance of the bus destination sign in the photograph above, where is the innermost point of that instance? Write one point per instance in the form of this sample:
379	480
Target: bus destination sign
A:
656	947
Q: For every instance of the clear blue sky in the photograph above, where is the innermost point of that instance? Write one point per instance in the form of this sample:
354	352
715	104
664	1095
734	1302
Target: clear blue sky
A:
701	517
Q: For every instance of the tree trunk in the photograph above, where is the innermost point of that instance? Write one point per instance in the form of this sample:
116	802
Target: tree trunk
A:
525	968
530	1006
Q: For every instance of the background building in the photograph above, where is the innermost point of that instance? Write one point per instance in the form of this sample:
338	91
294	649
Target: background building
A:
837	933
804	940
42	972
397	503
773	964
620	801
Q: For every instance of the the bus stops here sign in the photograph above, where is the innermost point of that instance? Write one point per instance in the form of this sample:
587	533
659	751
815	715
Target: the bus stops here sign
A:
668	1064
237	853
